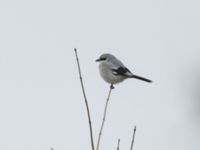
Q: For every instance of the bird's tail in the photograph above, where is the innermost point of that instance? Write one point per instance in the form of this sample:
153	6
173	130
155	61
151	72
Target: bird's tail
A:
141	78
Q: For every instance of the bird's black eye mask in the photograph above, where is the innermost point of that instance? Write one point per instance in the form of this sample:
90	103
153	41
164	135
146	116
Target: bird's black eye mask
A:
101	59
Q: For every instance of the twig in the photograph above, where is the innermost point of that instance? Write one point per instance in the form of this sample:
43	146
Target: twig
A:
133	138
118	144
86	102
104	118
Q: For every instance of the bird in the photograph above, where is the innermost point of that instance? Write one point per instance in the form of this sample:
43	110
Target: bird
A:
113	71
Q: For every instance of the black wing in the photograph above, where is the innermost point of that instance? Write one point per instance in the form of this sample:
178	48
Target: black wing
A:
121	71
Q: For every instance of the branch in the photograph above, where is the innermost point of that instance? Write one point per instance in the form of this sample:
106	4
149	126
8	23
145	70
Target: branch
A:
133	138
118	144
104	117
86	102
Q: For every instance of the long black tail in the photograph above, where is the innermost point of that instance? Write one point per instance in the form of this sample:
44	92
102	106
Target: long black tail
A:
141	78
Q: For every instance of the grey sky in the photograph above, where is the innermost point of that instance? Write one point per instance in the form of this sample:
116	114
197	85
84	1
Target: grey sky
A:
41	104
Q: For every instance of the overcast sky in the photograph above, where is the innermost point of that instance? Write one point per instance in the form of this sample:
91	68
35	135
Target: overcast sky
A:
41	103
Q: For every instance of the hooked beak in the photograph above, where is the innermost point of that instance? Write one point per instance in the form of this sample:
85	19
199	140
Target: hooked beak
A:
97	60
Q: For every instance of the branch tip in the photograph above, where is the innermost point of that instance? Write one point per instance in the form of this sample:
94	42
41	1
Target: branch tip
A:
104	117
133	138
118	143
85	98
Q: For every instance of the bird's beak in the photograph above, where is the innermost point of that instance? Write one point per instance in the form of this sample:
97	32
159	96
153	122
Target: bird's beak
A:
97	60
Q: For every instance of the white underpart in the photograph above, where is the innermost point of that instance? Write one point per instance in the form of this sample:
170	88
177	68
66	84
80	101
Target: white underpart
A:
106	73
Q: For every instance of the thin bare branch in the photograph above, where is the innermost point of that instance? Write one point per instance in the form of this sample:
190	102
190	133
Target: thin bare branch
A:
86	102
104	117
133	138
118	143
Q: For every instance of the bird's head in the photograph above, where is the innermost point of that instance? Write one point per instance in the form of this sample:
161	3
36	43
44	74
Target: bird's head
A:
104	57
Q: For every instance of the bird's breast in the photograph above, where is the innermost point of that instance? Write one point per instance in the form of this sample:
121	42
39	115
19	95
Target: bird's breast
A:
107	74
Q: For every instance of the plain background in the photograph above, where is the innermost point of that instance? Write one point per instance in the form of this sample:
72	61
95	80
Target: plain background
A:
41	103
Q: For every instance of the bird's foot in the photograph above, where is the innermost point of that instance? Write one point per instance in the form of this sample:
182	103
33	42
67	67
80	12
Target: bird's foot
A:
111	86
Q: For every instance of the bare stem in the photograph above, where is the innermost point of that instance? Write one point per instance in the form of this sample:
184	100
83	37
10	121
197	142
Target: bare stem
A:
104	117
133	138
86	102
118	143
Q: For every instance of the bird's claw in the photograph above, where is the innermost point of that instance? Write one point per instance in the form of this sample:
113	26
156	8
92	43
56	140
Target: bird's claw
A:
111	86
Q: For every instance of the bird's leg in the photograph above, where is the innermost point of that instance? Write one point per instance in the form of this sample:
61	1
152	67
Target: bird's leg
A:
111	86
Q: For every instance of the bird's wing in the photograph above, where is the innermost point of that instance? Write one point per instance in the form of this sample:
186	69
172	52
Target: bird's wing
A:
117	63
122	71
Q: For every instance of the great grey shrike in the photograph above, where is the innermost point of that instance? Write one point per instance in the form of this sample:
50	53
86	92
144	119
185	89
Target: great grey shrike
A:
113	71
